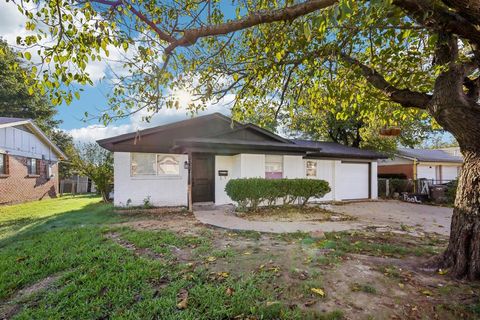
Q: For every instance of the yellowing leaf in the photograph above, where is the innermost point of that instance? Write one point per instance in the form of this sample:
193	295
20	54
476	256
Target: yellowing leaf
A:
318	291
442	271
427	292
211	259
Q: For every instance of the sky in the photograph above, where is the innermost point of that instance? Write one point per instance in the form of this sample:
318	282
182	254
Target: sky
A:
94	98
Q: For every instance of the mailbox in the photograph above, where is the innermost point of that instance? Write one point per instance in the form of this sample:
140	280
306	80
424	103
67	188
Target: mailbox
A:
222	173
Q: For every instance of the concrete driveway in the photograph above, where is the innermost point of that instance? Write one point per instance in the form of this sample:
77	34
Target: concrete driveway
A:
394	214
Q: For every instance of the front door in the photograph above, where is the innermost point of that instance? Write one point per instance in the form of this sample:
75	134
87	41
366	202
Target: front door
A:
203	177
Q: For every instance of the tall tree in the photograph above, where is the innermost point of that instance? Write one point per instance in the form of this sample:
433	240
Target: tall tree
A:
420	54
17	98
94	162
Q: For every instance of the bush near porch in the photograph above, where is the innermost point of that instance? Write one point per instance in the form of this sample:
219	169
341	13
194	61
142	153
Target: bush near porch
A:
251	192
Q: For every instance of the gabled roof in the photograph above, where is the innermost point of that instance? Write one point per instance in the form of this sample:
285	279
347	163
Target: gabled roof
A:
428	155
217	133
11	122
336	150
162	138
7	120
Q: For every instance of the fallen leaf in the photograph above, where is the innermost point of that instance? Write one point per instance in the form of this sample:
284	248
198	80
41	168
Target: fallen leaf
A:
247	253
229	292
211	259
427	292
401	285
442	271
271	303
182	299
318	291
223	274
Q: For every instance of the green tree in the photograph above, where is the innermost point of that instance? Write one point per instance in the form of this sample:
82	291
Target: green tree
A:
17	98
91	160
420	55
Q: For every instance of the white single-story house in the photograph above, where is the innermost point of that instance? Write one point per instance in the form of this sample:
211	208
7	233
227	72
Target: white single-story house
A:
192	160
438	166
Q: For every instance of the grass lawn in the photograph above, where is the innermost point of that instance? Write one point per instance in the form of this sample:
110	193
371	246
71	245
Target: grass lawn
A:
74	257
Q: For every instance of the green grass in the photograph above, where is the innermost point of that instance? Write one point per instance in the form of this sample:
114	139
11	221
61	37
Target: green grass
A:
99	278
64	211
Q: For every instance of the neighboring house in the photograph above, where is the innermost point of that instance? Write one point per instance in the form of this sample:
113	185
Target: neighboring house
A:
28	162
436	165
454	151
192	160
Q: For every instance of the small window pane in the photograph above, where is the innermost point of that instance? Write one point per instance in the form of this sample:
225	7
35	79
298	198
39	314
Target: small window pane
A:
273	167
2	164
143	164
32	166
168	165
311	168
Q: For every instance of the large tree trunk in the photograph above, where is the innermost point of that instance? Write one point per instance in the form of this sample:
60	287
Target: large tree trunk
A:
462	256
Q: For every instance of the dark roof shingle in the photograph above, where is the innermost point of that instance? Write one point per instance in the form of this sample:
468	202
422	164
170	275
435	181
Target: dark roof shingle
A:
429	155
333	149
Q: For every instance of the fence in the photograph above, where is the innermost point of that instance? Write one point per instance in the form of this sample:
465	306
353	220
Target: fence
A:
387	187
77	185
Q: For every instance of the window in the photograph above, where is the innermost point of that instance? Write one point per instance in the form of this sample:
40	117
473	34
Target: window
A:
273	167
150	164
311	168
143	164
168	165
3	164
33	166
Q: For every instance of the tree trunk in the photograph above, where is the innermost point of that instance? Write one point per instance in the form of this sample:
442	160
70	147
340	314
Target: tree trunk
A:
462	256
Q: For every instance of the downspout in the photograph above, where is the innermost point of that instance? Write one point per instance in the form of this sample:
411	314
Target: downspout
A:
415	163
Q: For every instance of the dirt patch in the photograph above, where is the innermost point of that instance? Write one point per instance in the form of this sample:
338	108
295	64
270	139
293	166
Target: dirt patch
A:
296	213
14	304
178	253
149	211
183	222
145	252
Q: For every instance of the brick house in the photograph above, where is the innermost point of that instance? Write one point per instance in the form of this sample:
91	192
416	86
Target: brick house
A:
28	162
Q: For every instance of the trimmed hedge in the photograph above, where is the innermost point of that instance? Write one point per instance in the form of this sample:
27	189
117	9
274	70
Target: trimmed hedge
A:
250	193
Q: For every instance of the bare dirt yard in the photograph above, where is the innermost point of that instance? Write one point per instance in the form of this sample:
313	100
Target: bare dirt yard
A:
348	275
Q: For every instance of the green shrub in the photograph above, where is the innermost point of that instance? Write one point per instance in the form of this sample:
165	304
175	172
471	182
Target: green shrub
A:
250	193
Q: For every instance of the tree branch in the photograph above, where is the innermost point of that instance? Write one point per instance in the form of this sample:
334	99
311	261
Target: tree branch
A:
191	36
404	97
438	17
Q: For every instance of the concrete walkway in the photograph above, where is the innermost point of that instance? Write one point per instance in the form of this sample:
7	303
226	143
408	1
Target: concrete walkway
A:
386	215
223	217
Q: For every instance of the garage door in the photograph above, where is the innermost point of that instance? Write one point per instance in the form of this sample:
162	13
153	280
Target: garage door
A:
354	181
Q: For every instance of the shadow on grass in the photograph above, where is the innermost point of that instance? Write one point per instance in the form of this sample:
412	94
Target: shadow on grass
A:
90	214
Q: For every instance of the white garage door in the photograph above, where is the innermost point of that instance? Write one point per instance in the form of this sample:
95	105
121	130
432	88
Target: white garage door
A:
354	181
